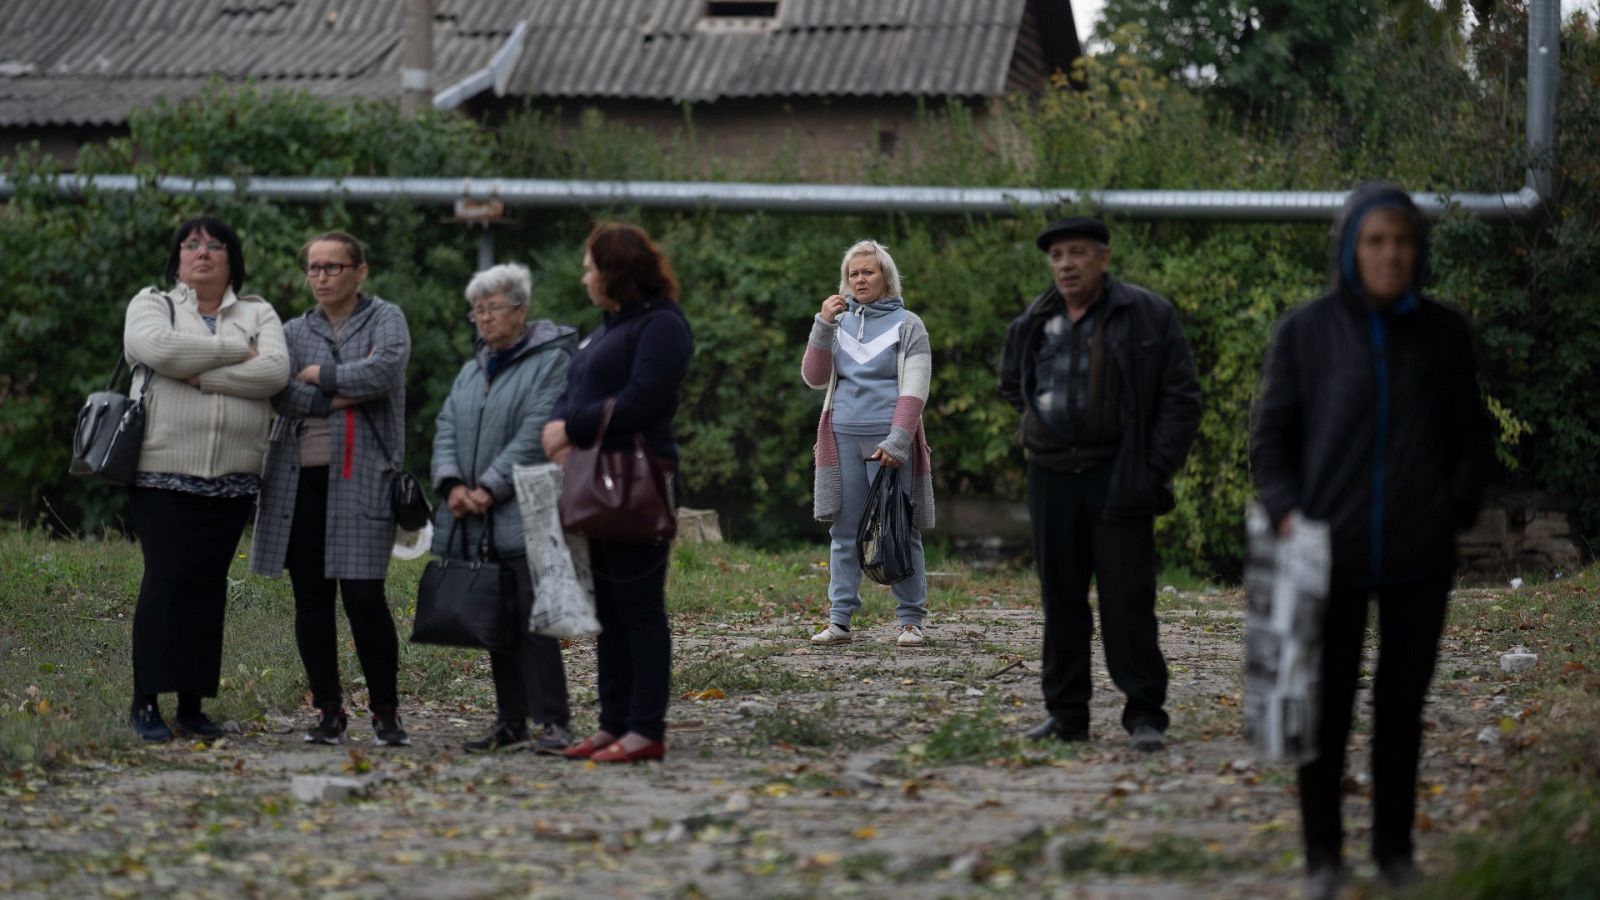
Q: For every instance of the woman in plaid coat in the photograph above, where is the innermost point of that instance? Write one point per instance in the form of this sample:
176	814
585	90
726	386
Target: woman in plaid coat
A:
324	510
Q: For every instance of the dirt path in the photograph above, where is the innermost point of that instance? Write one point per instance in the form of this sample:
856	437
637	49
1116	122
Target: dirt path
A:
862	771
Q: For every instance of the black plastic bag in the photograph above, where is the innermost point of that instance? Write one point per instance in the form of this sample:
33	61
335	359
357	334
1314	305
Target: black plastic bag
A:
883	539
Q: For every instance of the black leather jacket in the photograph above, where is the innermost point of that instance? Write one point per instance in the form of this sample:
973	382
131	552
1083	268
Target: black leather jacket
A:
1160	395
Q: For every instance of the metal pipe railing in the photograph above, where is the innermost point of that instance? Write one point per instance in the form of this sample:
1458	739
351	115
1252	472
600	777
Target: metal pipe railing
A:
1276	206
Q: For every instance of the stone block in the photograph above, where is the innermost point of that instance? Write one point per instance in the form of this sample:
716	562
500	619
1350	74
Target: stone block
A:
698	526
325	789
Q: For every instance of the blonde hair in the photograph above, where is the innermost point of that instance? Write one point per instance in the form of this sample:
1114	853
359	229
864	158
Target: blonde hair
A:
891	272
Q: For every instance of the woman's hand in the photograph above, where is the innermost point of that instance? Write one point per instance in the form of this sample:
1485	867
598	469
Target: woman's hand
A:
885	459
311	374
832	308
554	440
464	501
340	401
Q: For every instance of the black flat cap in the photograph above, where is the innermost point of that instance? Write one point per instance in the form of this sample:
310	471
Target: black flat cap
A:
1074	227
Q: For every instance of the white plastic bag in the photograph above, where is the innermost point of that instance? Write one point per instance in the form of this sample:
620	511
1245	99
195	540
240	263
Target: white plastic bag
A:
563	585
1287	583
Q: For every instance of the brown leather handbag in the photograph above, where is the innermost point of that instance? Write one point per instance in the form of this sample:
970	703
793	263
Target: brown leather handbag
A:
617	495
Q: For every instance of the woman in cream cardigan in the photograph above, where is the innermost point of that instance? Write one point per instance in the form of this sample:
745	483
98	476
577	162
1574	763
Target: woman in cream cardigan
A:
208	360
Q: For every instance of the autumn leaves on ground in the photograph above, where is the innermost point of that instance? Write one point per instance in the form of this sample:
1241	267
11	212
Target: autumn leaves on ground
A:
793	771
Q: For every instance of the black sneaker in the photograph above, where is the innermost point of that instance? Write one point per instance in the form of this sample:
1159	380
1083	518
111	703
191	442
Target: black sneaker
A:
387	731
330	730
147	723
503	736
197	725
552	739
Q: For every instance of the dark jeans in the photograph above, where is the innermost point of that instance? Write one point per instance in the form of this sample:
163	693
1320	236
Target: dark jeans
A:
634	648
529	679
188	542
1071	542
315	627
1410	620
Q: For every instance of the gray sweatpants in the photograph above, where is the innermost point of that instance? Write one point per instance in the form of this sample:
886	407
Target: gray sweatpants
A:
856	472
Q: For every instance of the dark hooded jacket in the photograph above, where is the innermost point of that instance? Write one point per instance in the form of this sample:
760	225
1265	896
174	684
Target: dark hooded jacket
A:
1372	421
1159	394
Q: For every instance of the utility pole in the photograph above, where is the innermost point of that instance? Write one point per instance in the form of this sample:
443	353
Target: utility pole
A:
416	75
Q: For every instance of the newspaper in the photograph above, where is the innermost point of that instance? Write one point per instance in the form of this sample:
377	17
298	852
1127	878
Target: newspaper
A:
563	584
1286	580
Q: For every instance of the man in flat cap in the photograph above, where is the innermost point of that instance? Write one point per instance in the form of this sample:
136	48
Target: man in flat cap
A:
1106	387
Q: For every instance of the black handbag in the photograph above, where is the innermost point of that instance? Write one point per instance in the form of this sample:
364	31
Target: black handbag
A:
407	502
466	602
883	539
110	430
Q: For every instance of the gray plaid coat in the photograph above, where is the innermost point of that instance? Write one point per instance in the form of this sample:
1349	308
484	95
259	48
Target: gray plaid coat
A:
370	365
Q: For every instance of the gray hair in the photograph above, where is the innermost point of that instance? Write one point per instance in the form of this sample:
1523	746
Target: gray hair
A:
891	272
512	279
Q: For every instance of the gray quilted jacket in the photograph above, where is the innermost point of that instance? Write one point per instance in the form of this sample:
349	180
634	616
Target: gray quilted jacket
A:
368	364
487	426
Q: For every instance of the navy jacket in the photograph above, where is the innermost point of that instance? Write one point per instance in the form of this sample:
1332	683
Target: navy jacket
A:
640	356
1373	422
1161	397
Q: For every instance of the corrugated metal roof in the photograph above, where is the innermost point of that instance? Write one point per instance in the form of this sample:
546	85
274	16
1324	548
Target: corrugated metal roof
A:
88	62
91	61
665	50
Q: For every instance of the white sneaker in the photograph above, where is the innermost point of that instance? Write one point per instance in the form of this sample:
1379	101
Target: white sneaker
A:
910	636
833	634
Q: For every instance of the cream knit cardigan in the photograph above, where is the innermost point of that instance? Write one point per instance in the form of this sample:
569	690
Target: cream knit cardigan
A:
220	427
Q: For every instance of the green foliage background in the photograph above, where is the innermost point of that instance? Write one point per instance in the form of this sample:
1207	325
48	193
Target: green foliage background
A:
1436	115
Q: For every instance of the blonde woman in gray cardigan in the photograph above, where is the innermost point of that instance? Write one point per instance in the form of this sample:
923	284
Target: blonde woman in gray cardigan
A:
212	358
872	357
325	513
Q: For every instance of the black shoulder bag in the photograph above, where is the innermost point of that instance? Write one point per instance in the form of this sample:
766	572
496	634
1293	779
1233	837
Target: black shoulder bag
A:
110	432
407	502
466	602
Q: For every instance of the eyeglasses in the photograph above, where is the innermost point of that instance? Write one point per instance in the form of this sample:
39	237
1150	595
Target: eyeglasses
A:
332	270
211	246
488	309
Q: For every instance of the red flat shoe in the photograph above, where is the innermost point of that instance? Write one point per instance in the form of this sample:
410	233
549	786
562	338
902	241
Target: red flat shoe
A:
615	753
585	749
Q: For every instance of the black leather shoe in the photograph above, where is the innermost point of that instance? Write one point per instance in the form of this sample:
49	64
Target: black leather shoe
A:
1147	739
197	725
502	736
1054	728
147	723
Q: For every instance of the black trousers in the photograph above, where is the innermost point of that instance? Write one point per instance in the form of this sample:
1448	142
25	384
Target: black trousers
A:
1071	542
315	627
1410	620
634	649
529	679
188	542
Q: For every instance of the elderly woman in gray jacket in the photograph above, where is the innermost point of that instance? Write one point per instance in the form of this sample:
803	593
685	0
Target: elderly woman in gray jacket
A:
490	422
325	512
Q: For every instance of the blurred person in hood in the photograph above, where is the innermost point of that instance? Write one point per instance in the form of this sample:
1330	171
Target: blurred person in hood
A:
1370	419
